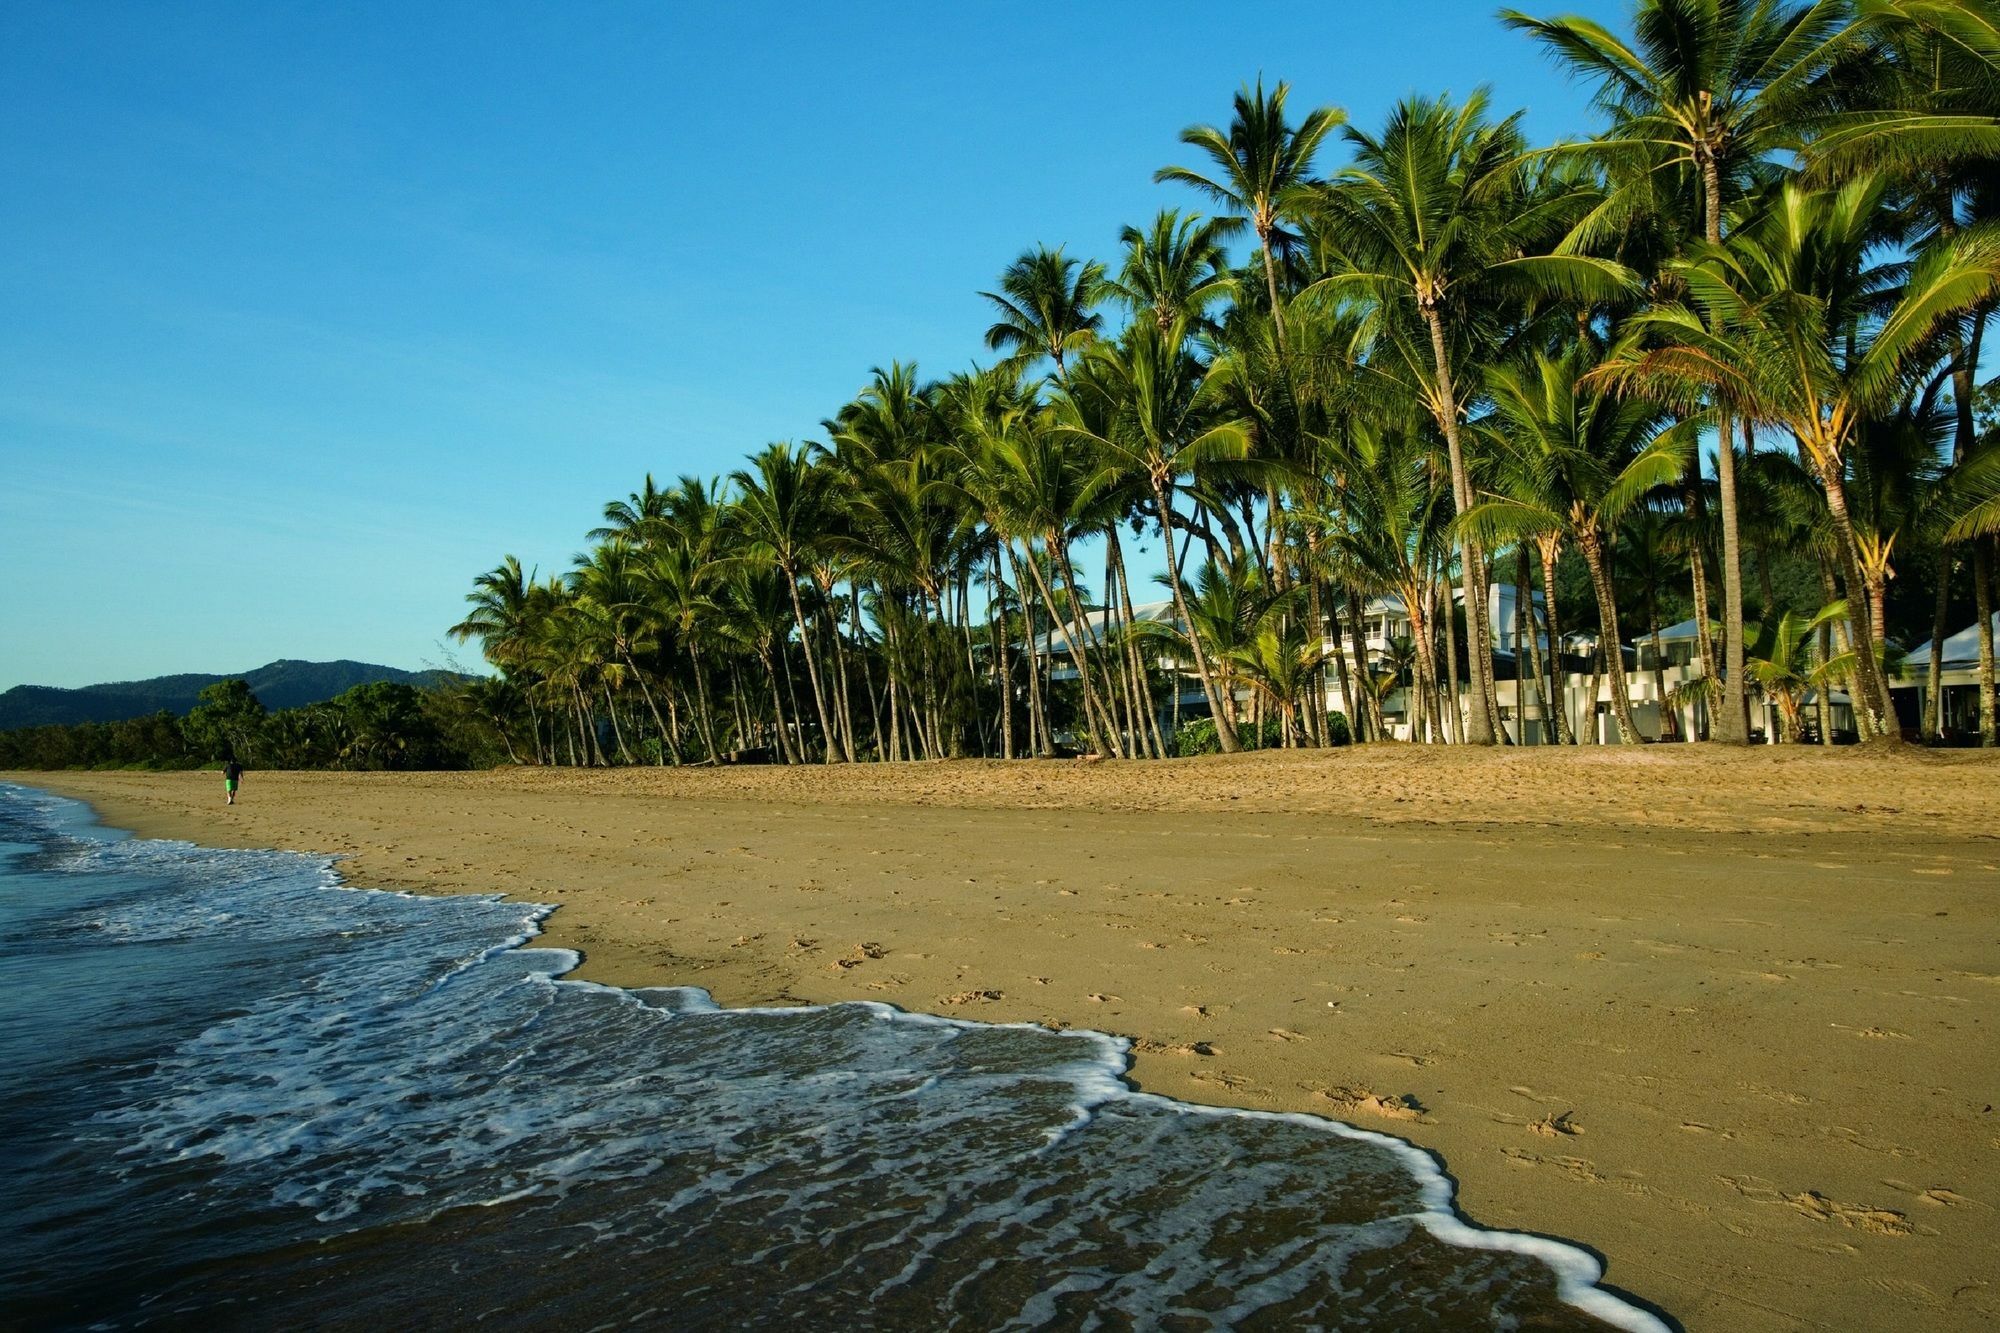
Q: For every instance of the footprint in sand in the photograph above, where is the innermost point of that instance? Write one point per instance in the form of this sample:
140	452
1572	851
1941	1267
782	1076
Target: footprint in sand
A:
1096	998
972	997
1223	1078
1360	1101
1820	1208
1556	1126
1286	1034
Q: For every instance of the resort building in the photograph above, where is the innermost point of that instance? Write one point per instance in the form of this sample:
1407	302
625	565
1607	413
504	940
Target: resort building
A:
1910	687
1662	669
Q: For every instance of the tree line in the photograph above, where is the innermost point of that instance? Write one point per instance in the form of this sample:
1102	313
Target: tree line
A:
1721	356
383	725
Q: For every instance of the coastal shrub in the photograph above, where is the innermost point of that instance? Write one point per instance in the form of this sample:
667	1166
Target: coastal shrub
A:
1197	736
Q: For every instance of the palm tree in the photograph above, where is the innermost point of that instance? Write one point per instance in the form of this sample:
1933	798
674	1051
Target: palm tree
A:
1778	658
1175	270
1260	163
784	504
1580	459
1044	306
1925	100
1802	334
1390	531
1164	428
1436	231
1714	88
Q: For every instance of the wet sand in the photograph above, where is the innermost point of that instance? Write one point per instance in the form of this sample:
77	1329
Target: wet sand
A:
1729	1019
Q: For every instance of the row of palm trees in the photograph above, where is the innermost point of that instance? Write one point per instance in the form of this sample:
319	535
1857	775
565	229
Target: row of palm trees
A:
1451	359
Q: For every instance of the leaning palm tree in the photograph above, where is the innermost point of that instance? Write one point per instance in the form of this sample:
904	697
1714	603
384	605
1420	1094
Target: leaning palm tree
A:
1260	163
1436	230
1044	307
1699	103
1578	461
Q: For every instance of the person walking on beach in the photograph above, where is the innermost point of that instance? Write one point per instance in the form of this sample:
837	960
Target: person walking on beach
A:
232	773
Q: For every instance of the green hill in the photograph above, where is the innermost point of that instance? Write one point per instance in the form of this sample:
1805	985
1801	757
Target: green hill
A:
280	684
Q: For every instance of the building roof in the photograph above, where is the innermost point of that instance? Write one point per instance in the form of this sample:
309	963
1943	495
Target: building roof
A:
1961	650
1057	640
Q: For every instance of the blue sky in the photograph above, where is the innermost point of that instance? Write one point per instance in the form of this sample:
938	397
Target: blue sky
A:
313	312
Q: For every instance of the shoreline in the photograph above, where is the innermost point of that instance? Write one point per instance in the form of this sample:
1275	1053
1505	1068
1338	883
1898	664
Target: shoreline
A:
1751	1080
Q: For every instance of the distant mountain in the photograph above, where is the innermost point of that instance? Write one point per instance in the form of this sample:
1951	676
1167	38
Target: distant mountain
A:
281	684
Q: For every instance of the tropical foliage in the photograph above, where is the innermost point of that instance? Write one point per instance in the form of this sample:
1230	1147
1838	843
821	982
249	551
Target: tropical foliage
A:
379	725
1725	350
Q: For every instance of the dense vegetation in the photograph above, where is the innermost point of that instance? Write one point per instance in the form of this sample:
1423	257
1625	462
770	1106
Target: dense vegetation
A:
281	684
1736	334
378	725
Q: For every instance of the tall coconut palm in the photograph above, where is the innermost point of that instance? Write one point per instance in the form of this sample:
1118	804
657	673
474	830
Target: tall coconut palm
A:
1258	165
1579	460
1164	427
1436	231
783	507
1175	270
1800	334
1712	89
1044	307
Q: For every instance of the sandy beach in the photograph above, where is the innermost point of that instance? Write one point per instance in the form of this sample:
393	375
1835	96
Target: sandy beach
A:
1729	1019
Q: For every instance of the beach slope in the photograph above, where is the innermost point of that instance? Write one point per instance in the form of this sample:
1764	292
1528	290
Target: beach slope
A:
1727	1018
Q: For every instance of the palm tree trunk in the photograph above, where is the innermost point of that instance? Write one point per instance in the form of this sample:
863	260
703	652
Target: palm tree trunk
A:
1982	598
1423	711
1479	651
1142	680
785	745
812	669
1933	721
1039	741
617	731
1525	618
843	702
1352	706
535	722
1559	682
1271	284
1094	715
1357	640
703	721
1731	727
1225	727
1592	543
1874	695
651	706
1823	694
1455	714
1704	637
1003	667
1734	722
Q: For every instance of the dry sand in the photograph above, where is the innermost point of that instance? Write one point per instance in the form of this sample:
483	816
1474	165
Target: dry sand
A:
1727	1018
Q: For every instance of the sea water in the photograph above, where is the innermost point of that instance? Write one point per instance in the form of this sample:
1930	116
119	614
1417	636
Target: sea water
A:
241	1094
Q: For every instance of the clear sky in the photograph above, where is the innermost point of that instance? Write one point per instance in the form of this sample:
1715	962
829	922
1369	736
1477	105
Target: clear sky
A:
309	313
